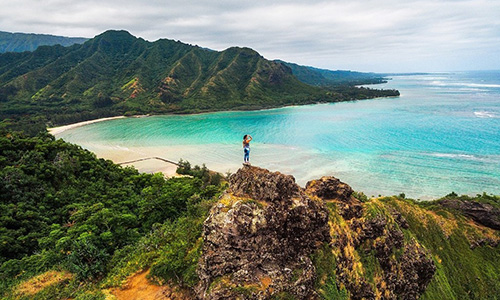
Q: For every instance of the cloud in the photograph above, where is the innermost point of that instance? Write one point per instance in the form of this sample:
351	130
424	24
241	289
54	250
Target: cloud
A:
368	35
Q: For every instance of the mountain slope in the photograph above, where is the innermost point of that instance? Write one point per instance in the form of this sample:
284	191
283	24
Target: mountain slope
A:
20	42
322	77
116	73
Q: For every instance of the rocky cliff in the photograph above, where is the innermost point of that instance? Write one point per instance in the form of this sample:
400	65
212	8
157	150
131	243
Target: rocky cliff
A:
260	238
483	213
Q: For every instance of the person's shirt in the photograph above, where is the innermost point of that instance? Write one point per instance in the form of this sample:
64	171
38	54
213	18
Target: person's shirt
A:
246	143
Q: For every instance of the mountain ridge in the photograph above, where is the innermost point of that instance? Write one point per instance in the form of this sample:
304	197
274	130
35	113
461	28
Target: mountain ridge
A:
20	42
116	73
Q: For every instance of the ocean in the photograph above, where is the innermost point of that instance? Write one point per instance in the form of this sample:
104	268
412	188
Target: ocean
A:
441	135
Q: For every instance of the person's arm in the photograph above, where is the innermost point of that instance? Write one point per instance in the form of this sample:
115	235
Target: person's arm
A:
250	138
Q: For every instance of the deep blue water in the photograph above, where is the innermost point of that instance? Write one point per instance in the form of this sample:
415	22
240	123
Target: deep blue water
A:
441	135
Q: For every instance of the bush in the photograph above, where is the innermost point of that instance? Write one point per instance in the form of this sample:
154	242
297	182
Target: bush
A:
86	260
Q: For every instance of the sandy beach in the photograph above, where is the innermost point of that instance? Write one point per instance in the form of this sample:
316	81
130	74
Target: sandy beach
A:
120	155
60	129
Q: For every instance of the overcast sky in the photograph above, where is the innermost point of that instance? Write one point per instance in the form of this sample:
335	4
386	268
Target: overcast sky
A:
363	35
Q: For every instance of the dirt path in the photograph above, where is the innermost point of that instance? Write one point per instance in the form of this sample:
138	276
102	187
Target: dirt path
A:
138	287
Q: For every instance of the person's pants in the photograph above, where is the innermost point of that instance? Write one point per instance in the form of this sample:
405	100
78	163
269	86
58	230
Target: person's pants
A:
246	157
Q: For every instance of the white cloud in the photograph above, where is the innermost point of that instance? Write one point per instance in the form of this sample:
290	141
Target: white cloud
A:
368	35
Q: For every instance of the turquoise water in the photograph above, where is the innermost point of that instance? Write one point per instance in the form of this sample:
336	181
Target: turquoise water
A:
441	135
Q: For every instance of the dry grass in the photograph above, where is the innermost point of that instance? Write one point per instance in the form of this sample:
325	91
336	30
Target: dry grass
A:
447	225
40	282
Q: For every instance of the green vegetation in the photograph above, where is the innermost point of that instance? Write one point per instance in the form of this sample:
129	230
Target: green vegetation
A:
326	282
322	77
20	42
84	225
61	208
463	271
116	73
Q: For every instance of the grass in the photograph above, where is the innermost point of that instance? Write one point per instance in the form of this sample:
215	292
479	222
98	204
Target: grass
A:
34	285
462	272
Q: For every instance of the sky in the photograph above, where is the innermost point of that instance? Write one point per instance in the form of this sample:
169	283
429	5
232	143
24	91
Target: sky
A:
360	35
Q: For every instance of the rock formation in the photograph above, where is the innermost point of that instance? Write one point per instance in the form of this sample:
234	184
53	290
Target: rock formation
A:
380	232
483	213
259	239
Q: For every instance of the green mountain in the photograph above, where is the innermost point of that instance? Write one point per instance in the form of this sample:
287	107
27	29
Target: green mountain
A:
20	42
323	77
74	226
116	73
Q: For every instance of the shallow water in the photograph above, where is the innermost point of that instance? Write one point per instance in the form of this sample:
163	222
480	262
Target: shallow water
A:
441	135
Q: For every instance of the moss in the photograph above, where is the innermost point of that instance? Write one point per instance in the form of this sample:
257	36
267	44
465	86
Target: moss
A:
247	290
324	262
370	265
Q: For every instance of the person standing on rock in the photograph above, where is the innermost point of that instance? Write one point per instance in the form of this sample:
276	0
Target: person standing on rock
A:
246	148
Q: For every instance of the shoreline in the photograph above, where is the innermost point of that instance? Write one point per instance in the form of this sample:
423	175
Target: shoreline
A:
61	129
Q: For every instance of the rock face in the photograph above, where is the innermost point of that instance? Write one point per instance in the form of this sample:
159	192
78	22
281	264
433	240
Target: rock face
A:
379	232
259	238
483	213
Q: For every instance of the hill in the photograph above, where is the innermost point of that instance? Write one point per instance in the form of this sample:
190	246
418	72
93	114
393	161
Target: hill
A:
323	77
116	73
20	42
74	226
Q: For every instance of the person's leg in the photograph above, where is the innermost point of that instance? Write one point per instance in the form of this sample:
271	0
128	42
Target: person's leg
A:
246	158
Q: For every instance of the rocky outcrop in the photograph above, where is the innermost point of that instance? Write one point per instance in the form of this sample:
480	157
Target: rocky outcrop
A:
482	213
379	232
258	240
329	188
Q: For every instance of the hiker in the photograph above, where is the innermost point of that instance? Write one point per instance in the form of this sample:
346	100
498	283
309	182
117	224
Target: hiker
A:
246	148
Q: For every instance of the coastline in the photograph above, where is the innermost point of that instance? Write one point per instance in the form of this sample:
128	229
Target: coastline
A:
61	129
126	157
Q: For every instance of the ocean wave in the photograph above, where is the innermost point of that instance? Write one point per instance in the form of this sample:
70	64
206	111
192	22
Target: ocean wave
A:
454	155
470	89
464	84
485	114
489	159
480	85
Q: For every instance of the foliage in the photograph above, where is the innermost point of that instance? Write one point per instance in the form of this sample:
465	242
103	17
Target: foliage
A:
179	257
61	207
86	260
208	177
483	198
322	77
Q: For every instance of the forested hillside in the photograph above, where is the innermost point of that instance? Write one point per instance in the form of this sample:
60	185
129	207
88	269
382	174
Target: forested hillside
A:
20	42
116	73
323	77
64	210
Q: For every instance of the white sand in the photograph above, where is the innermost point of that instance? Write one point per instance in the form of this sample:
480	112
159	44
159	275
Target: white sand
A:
123	155
119	154
57	130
